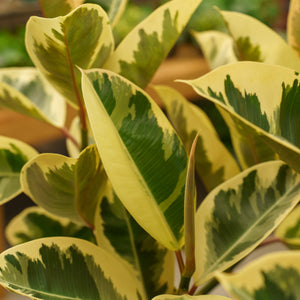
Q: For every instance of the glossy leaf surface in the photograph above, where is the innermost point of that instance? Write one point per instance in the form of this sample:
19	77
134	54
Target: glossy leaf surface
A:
293	25
56	8
34	223
240	213
141	153
67	268
134	58
214	163
57	46
260	104
117	232
64	186
274	276
25	91
14	155
253	39
289	230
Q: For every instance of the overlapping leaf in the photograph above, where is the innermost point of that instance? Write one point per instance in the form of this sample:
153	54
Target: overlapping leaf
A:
240	213
64	186
13	155
289	230
142	155
57	45
260	103
117	232
67	268
274	276
253	40
187	297
214	163
24	90
75	133
134	58
293	25
34	223
217	47
56	8
115	11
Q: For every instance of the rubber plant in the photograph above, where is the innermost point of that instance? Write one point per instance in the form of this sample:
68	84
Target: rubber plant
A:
114	217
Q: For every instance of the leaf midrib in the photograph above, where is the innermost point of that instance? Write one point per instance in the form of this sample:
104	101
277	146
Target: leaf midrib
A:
241	238
135	168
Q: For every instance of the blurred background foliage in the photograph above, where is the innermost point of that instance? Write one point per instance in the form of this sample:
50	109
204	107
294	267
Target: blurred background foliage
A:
13	52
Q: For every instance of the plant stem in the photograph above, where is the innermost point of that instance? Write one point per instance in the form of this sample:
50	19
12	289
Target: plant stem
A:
270	241
179	261
67	134
78	95
207	287
184	284
84	138
189	222
42	10
193	290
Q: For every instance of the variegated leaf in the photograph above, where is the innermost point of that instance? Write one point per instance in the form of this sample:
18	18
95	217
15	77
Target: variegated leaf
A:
64	186
293	25
13	155
289	230
34	223
74	130
64	268
187	297
260	103
116	10
214	163
240	213
141	153
24	90
217	47
273	276
135	57
75	133
56	8
257	42
58	45
117	232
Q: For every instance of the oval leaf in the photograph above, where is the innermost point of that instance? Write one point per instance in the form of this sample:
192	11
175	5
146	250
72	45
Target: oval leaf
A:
288	230
214	163
142	155
117	232
57	8
274	276
240	213
253	39
293	25
34	223
56	45
64	186
67	268
24	90
260	104
14	155
134	58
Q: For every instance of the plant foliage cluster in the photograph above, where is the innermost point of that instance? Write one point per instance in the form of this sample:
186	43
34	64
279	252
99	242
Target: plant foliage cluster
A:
114	216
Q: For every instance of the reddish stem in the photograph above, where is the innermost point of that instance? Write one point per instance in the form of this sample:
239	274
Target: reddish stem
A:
179	261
